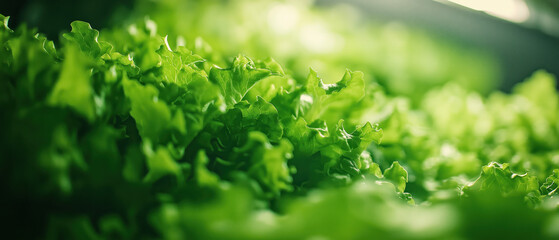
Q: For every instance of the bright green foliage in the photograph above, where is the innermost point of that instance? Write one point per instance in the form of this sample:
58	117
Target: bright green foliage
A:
398	175
551	183
268	163
73	88
140	137
177	65
330	38
236	81
341	213
203	176
160	163
499	178
86	38
151	115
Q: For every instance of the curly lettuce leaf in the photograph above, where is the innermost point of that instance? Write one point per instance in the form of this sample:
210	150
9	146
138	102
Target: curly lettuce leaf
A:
551	184
236	81
397	175
87	39
499	178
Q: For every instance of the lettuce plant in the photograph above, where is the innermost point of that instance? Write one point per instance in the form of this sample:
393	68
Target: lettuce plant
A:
131	137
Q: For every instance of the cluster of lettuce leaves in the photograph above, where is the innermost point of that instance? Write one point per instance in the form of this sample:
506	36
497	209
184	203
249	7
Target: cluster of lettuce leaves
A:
131	137
328	36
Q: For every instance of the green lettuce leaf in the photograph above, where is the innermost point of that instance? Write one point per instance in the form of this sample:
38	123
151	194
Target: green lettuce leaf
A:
397	175
73	87
237	80
87	39
551	184
498	178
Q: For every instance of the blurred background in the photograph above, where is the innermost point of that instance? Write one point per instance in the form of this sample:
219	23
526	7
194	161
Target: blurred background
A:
407	46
